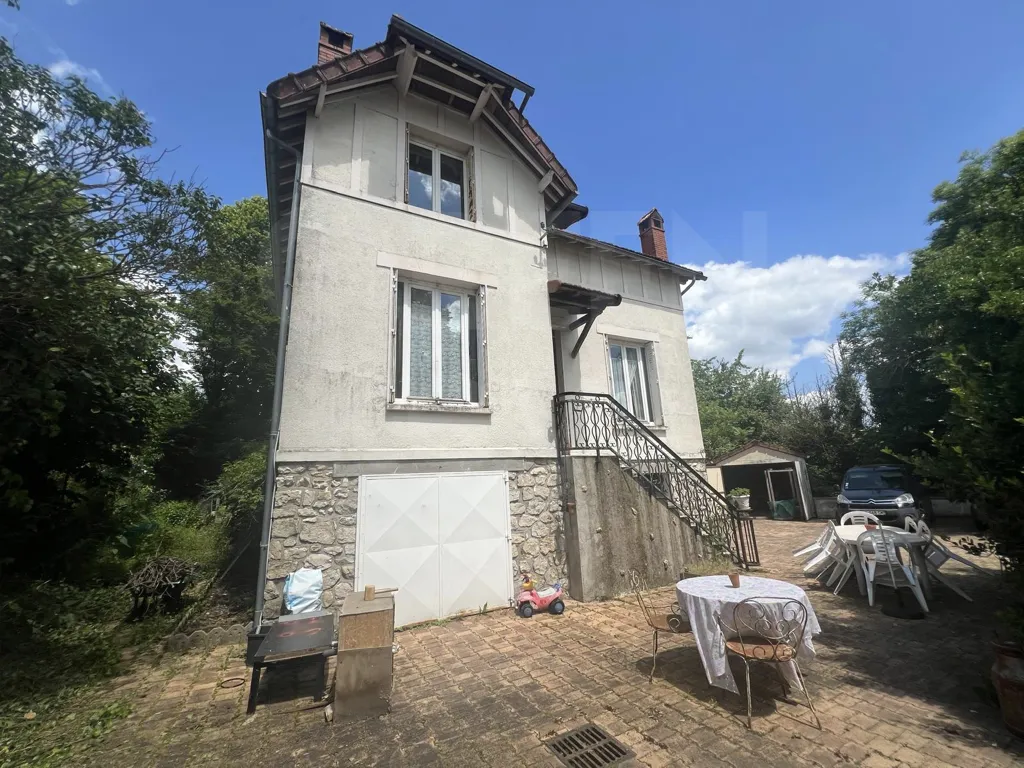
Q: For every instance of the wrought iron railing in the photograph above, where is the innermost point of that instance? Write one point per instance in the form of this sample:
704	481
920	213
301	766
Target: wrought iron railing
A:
597	422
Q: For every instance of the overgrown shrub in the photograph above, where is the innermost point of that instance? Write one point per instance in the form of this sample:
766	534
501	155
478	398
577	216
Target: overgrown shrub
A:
239	490
181	513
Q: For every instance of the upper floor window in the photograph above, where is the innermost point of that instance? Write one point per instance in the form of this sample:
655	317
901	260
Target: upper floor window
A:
437	179
631	380
437	343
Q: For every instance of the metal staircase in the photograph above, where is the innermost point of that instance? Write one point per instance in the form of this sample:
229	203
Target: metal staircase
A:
595	422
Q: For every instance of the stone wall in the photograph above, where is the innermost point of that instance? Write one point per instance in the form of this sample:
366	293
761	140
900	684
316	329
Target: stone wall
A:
314	526
538	532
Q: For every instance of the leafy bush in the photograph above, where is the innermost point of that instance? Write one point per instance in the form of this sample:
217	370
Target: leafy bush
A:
739	492
238	491
181	513
204	546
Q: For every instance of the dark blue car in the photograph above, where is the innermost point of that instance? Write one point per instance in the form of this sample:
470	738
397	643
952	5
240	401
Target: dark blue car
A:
888	491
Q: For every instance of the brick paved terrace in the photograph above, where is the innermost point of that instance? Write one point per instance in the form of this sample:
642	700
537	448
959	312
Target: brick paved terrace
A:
488	690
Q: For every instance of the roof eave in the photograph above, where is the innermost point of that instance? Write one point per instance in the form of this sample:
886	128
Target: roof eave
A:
637	256
399	27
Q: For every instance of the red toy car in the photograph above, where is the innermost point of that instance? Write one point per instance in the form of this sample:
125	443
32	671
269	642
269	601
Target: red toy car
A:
530	600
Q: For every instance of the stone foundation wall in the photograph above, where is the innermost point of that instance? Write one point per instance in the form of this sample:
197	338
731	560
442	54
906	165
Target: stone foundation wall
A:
538	531
314	526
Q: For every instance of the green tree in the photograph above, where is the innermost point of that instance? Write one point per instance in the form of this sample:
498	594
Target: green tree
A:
93	248
738	403
828	425
231	328
942	350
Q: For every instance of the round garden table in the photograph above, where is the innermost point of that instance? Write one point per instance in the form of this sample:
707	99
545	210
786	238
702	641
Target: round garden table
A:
703	597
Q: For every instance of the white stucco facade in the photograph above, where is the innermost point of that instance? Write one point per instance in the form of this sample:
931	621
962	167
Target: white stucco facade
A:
663	331
356	237
650	316
336	376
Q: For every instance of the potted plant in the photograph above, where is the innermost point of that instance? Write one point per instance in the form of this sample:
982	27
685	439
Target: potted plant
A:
740	499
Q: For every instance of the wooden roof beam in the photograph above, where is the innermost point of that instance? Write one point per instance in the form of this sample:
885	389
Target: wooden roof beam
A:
443	87
481	102
321	95
406	68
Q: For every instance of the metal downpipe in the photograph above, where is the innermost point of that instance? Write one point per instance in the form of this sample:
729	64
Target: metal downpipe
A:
275	416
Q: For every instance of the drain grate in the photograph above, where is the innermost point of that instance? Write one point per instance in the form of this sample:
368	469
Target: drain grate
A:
588	747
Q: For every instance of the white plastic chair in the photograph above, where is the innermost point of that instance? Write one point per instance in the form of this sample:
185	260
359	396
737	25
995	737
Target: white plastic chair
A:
831	554
815	546
845	568
885	567
936	554
858	518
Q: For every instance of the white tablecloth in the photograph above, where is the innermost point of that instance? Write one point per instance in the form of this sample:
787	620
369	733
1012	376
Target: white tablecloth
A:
701	598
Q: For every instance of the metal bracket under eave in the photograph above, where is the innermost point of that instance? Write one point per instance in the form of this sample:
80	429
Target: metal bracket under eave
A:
587	321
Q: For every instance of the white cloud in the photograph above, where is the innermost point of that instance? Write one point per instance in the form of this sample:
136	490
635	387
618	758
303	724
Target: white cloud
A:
72	2
65	67
779	315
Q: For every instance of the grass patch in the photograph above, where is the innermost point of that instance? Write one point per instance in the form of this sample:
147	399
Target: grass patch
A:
58	740
59	642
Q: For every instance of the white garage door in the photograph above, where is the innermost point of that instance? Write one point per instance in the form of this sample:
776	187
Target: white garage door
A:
443	540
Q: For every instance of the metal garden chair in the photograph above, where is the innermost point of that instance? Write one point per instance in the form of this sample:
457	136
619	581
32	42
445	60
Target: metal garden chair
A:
771	631
659	618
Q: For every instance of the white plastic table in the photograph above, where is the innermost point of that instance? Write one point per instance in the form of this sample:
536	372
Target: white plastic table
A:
701	598
917	544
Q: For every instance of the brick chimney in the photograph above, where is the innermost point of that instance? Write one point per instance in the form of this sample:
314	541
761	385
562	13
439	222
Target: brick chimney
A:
333	43
652	235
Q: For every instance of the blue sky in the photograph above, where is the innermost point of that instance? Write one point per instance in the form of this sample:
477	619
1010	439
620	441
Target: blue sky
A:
792	147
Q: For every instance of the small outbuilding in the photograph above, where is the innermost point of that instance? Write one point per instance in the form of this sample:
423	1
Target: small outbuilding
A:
772	473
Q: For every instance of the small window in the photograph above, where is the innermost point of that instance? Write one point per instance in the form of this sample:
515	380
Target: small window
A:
437	180
631	379
437	343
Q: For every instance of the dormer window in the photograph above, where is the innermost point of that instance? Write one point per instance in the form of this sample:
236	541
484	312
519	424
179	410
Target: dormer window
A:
437	180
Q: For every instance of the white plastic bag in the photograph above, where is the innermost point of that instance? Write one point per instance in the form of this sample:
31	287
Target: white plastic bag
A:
302	590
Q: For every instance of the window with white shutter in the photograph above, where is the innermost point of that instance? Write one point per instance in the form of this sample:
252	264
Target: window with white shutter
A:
438	347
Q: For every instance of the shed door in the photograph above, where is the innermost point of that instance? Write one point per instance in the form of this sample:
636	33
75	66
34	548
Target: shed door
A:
442	539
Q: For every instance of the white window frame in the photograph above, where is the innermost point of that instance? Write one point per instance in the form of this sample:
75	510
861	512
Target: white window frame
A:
435	185
436	289
646	393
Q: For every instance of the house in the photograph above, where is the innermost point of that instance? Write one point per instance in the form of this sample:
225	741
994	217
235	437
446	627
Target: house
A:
436	315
